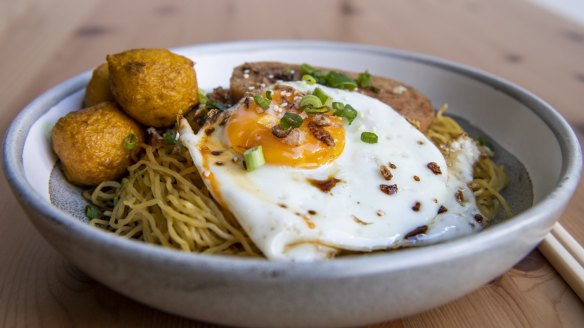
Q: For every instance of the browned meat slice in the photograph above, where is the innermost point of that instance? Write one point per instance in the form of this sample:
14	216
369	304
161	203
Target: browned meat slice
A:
409	102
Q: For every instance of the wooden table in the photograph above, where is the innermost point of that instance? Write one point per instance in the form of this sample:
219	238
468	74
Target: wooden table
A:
44	42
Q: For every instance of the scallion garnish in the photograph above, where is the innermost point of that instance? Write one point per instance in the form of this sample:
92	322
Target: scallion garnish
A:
209	103
318	110
483	142
306	69
369	137
215	104
338	106
130	141
347	111
269	94
332	79
324	98
202	96
364	80
262	102
309	79
340	81
170	137
254	158
310	102
290	120
92	212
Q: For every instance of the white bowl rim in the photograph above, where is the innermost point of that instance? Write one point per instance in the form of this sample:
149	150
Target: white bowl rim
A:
340	267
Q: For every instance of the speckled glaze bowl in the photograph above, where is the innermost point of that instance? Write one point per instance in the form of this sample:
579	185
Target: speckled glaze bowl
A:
342	292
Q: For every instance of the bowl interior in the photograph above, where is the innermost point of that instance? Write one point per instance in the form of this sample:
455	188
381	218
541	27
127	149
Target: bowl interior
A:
477	99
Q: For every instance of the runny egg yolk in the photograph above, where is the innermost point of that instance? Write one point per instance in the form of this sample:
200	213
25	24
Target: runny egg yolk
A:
250	126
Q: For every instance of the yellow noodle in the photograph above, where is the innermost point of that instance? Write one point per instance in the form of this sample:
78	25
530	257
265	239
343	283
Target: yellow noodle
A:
488	178
159	202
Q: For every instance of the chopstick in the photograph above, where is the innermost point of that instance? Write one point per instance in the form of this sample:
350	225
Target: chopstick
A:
566	255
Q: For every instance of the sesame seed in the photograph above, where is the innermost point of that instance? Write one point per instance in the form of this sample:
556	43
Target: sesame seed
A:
263	85
271	76
246	76
399	90
292	71
246	71
251	87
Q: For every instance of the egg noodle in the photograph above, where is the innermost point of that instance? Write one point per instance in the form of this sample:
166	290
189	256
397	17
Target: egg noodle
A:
163	200
488	178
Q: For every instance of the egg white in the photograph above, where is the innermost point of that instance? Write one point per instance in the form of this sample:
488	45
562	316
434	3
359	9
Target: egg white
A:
290	219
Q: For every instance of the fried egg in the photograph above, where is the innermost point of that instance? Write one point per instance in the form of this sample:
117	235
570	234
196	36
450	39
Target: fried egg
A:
324	193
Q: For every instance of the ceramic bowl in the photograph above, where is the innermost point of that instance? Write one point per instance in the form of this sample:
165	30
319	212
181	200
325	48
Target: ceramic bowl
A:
346	291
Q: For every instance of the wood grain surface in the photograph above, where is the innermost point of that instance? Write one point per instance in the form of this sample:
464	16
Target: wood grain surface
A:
43	42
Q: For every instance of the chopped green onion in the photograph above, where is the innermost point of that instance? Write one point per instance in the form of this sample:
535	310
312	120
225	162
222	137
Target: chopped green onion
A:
364	80
369	137
332	79
483	142
374	89
291	120
209	103
310	101
338	106
309	79
306	69
254	158
202	96
269	94
318	110
215	104
324	98
340	81
130	141
347	111
262	102
170	137
92	212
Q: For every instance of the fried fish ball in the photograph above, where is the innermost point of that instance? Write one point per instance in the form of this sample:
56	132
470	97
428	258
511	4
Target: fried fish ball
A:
98	88
153	86
92	143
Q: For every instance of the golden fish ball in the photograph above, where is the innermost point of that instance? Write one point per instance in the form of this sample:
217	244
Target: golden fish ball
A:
92	143
98	88
154	86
